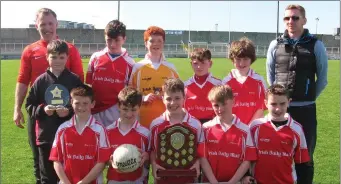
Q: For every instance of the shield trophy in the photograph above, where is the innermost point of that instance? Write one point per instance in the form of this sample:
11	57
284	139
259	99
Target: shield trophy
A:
177	151
57	95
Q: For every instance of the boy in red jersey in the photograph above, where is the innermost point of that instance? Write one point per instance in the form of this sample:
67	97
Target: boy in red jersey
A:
127	130
198	86
279	139
173	98
248	87
228	147
81	146
108	72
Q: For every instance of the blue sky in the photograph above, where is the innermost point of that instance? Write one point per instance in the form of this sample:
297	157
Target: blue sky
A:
246	16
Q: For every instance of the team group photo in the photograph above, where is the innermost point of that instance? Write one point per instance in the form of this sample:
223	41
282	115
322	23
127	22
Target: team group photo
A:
115	112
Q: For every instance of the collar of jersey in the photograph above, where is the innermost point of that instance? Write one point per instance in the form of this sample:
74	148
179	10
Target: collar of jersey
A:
249	74
217	122
203	84
123	53
117	124
44	43
88	123
186	118
163	59
286	116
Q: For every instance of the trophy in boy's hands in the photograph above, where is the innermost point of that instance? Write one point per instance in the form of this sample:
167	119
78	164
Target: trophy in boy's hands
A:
177	148
56	98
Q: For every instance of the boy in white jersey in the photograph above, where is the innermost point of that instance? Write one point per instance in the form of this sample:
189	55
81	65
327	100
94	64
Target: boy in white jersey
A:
108	72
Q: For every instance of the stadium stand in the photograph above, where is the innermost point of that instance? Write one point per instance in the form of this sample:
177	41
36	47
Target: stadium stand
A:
13	40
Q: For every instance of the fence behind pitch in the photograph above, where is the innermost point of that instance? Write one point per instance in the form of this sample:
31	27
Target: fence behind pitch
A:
218	50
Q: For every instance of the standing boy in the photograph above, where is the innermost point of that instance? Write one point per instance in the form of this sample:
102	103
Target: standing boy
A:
81	147
149	75
248	87
127	130
228	147
279	139
198	86
49	118
108	72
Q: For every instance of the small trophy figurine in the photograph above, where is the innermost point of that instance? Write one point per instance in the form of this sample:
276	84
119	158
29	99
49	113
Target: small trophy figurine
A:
57	96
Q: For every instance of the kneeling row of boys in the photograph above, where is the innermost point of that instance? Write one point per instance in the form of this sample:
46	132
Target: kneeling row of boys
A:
228	151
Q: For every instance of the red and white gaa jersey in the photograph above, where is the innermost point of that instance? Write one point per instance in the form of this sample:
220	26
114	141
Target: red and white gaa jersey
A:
161	123
197	103
248	96
279	148
225	149
79	152
108	76
138	136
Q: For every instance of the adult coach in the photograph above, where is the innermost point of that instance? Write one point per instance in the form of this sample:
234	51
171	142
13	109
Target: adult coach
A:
33	63
293	60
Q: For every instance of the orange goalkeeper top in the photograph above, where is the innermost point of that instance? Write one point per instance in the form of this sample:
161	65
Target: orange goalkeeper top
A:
148	77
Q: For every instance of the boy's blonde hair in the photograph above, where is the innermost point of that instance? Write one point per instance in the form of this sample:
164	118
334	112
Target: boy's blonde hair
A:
243	48
220	94
296	7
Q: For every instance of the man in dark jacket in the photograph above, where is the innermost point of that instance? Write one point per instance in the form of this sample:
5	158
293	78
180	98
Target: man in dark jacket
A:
294	60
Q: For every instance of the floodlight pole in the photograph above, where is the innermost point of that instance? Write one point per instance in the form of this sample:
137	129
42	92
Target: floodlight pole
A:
277	19
229	22
118	10
189	30
317	20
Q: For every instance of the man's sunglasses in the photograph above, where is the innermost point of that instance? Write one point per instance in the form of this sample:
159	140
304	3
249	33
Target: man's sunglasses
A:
294	18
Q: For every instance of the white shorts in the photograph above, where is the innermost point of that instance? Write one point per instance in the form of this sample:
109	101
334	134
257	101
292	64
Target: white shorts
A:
108	116
140	180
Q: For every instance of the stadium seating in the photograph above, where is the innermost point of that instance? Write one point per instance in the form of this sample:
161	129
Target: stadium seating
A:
88	41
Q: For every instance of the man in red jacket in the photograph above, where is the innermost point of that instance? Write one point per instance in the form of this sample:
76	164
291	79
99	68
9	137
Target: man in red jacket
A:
34	63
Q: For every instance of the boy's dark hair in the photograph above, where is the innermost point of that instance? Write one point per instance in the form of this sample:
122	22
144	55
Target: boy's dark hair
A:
243	48
173	85
114	29
277	89
201	54
45	11
130	96
57	46
84	91
220	94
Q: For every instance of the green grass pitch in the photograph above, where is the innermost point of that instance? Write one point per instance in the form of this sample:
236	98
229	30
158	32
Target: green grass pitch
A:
16	157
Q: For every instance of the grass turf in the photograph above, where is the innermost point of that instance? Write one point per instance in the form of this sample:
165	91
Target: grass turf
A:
16	156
